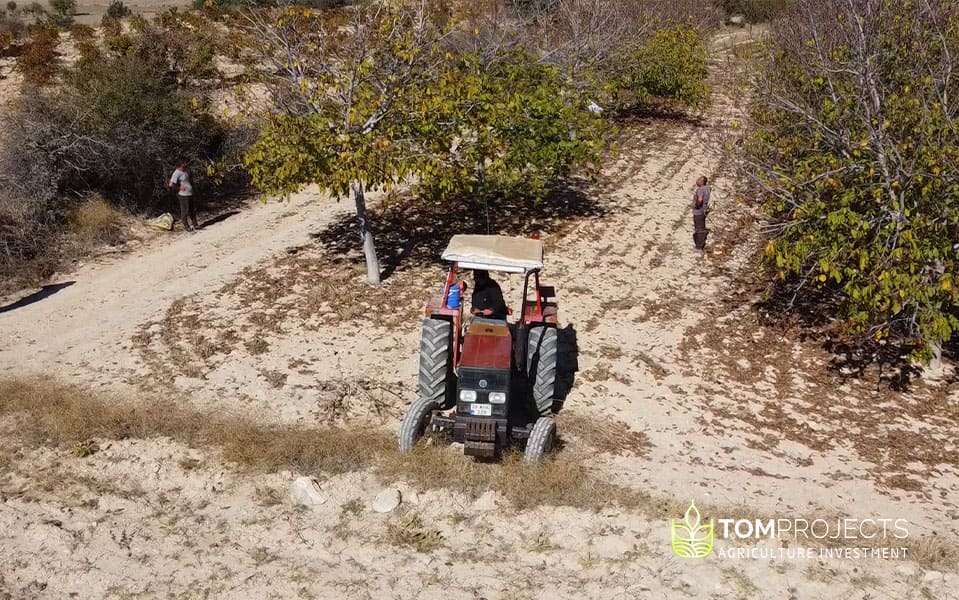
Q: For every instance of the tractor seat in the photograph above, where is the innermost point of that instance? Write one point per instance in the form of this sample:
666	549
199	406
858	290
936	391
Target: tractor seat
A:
488	321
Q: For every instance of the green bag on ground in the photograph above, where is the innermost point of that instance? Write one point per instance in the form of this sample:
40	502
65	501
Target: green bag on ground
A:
164	222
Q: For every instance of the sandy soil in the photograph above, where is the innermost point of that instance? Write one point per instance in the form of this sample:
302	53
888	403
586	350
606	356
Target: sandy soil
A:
248	316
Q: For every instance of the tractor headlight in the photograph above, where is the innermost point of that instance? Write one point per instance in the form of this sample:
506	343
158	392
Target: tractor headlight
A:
467	395
497	397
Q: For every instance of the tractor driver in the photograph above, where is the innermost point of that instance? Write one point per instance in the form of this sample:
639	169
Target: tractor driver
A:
487	297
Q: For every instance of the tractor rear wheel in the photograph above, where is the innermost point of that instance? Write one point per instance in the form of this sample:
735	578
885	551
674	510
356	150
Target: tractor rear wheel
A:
540	440
541	367
414	423
436	363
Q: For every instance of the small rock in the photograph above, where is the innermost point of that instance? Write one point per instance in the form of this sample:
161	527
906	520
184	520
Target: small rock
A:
387	501
906	570
932	577
684	583
305	491
737	20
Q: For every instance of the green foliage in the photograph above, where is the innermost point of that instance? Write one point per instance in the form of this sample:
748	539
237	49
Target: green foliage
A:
114	125
460	122
184	44
504	126
670	66
622	54
859	160
11	28
462	98
36	9
117	9
63	12
118	44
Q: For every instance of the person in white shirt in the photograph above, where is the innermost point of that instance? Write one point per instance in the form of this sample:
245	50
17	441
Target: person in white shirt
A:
181	180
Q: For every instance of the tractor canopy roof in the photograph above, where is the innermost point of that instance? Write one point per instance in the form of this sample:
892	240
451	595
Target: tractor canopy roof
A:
495	253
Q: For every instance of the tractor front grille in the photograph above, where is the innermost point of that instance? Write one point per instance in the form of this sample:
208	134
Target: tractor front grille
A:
481	430
480	436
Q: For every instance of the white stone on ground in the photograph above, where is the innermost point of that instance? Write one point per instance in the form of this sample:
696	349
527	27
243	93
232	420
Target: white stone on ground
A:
305	491
387	501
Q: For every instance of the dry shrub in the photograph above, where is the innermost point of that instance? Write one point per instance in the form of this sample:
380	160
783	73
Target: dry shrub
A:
272	448
564	480
933	552
110	27
410	531
38	60
96	221
89	50
611	436
82	33
11	28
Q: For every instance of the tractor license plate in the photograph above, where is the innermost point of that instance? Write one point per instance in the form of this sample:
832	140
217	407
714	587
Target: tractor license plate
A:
481	410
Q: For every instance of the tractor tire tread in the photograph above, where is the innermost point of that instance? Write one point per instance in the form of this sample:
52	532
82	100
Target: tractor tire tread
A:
541	363
414	423
540	440
434	363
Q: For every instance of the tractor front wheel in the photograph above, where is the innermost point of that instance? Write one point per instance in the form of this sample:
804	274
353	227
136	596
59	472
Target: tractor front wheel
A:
540	440
415	423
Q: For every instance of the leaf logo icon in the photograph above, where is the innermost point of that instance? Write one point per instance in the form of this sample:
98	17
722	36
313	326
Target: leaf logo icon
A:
691	538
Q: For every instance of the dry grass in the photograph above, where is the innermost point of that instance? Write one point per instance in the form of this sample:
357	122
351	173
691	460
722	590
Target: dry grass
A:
63	416
44	413
51	414
603	434
566	480
410	531
96	221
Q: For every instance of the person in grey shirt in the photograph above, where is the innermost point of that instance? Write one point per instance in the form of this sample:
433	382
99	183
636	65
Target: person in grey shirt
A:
700	210
181	179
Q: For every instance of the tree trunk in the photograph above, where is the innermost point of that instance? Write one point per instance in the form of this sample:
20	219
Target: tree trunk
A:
934	370
366	236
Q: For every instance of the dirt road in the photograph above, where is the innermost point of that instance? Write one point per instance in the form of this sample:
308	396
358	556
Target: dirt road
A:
86	325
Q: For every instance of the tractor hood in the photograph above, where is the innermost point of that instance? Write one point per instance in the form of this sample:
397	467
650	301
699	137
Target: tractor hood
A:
495	253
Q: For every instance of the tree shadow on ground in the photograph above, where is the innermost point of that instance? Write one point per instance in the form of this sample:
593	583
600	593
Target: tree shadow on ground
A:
567	365
44	292
815	312
411	231
658	113
218	218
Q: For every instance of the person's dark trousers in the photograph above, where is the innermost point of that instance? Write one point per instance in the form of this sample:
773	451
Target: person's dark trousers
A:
187	208
699	231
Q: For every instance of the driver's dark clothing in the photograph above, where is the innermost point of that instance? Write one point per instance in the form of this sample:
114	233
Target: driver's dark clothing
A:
489	295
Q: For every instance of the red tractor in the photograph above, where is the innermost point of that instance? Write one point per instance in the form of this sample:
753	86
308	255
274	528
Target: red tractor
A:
489	381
